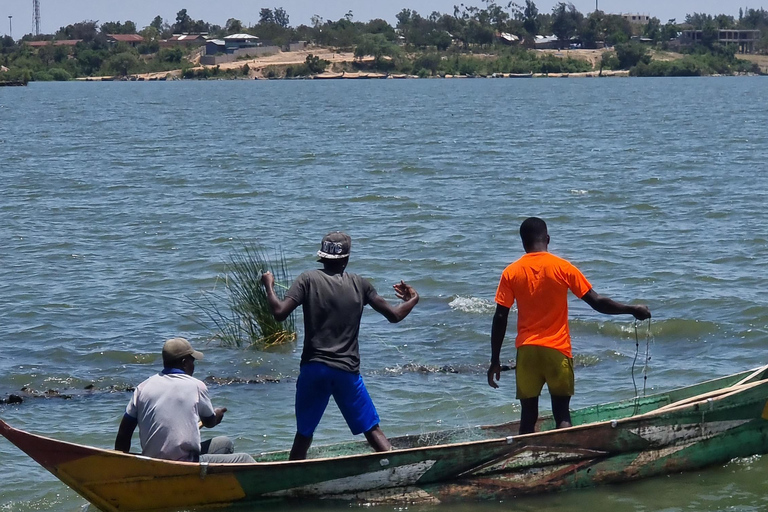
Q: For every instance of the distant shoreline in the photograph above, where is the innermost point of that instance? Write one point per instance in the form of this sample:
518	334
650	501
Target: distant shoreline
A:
365	76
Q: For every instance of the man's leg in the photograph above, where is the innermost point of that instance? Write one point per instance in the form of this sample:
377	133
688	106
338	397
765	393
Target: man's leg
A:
300	446
560	381
312	395
216	446
221	450
529	414
529	380
358	410
227	458
561	411
378	440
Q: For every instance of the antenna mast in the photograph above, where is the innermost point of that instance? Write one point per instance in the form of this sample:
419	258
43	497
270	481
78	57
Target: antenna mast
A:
36	7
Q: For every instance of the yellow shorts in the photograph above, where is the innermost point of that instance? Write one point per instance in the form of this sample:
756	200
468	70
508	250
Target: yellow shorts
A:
538	365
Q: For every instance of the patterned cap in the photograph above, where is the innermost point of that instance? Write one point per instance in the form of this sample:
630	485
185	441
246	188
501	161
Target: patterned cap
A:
335	246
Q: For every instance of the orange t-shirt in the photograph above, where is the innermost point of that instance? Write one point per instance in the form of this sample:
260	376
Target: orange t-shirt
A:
539	282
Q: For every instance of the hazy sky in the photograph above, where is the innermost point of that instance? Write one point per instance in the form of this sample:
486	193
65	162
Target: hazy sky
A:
58	13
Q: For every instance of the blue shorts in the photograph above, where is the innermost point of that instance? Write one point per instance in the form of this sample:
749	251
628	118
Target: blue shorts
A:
317	383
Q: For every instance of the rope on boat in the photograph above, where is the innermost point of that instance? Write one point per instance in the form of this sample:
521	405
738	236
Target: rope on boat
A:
646	363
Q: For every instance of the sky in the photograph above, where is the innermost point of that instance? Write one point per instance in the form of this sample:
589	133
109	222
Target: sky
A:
58	13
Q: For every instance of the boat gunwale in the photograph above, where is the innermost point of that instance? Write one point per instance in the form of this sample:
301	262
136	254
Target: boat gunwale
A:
690	402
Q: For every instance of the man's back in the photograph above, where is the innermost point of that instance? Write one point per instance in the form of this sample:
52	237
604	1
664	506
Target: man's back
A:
539	283
332	305
168	408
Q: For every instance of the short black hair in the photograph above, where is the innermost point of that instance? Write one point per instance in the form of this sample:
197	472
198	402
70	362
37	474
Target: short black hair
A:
533	230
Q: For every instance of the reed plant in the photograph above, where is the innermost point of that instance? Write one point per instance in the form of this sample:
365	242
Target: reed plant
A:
239	310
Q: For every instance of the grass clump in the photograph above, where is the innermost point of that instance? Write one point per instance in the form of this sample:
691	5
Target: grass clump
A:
240	312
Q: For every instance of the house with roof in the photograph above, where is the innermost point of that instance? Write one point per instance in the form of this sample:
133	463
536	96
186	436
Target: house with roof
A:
233	47
129	39
190	40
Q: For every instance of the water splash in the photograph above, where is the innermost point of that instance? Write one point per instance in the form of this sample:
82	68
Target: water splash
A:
474	305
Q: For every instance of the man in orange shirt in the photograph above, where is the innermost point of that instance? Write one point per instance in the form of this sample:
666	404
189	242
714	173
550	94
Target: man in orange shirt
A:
539	282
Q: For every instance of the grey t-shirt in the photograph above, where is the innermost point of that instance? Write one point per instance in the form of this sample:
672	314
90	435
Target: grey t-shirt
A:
333	305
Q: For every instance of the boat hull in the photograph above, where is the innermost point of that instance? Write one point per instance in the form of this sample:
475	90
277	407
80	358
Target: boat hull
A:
685	429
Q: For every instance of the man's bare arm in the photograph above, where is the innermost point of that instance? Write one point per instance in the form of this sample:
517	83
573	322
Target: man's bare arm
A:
609	306
280	309
498	331
394	314
124	434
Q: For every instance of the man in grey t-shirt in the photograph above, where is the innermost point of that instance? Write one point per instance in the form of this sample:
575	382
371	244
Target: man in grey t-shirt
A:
332	302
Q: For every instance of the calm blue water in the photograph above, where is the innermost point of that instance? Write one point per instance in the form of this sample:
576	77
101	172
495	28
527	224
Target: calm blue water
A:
120	202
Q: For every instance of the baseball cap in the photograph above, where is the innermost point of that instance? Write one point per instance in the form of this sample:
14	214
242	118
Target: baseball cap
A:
335	245
176	348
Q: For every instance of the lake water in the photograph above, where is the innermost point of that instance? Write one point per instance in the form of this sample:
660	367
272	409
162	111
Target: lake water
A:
120	202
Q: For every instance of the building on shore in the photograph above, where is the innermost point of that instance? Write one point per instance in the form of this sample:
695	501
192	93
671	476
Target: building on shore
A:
133	40
746	40
296	46
234	47
636	19
541	42
189	40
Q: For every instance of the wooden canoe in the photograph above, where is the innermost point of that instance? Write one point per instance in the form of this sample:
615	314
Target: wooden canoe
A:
683	429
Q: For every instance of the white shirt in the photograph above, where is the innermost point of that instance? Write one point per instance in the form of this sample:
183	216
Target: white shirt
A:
168	408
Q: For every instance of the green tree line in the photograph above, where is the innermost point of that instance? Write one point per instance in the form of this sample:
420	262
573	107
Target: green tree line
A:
457	42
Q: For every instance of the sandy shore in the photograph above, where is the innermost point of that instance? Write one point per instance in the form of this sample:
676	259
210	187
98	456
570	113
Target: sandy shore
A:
257	65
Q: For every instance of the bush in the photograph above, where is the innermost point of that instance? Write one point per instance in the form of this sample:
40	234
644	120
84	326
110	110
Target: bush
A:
428	61
42	76
60	75
631	54
246	320
609	60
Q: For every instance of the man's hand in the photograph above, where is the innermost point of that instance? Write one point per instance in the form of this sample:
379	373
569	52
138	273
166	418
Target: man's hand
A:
404	291
268	280
494	371
219	413
641	312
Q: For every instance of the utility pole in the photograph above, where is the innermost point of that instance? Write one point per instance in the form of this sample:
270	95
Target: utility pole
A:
36	8
10	24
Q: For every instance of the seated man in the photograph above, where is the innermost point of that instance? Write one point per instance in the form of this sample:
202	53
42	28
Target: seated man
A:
167	408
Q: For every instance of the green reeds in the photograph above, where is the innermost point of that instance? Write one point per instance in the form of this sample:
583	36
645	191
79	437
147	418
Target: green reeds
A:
240	312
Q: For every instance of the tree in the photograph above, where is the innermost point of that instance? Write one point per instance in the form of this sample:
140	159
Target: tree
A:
123	63
375	45
281	17
115	27
531	22
157	23
616	29
233	26
653	30
698	19
670	30
315	64
566	21
85	30
266	16
631	54
709	34
183	22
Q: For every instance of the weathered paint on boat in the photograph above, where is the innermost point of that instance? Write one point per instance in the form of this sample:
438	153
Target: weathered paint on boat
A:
683	429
